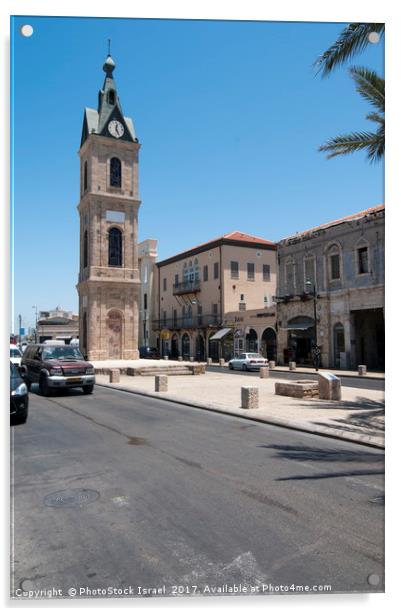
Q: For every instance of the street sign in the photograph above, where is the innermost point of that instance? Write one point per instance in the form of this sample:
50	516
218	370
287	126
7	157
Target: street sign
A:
22	331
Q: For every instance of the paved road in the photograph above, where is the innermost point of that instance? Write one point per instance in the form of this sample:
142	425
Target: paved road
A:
347	381
187	497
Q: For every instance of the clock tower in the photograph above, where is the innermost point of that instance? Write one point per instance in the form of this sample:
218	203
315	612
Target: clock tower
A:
108	285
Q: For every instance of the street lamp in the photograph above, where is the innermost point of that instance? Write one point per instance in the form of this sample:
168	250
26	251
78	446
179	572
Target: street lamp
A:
36	323
315	347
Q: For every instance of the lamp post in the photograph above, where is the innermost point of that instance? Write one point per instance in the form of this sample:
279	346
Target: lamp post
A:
315	347
36	323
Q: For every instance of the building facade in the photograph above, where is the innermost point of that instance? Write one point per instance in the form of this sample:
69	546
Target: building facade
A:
336	272
57	324
217	299
109	282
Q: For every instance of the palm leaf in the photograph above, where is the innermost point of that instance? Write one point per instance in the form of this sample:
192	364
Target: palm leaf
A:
369	85
354	142
352	40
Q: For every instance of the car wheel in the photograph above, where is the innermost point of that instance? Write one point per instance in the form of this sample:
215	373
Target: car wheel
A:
28	384
244	367
231	367
44	388
87	389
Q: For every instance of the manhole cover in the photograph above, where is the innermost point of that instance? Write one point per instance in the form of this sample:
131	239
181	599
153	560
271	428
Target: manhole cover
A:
71	498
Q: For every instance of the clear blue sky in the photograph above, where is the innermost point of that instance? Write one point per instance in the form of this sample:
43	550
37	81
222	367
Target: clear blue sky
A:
229	115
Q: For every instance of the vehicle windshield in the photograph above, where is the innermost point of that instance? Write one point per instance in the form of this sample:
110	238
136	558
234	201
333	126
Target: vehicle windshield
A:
62	352
15	353
255	356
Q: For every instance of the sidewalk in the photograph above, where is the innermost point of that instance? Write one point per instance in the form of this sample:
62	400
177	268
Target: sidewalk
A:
358	417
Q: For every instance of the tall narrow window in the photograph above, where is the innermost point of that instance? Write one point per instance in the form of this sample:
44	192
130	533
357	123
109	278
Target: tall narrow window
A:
266	272
115	247
205	273
234	270
363	260
86	248
145	301
216	270
111	97
86	175
115	172
250	267
309	270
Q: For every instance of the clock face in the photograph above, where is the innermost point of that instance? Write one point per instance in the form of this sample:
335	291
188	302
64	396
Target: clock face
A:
116	129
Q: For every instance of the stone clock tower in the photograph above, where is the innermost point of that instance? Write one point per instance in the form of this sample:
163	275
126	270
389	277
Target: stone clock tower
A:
109	284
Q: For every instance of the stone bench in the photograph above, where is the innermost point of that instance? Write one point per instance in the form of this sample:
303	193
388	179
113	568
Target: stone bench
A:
297	389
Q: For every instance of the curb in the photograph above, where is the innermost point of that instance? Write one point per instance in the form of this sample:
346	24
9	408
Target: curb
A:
361	439
282	370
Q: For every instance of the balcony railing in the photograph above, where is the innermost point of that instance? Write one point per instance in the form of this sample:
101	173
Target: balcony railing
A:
197	320
189	286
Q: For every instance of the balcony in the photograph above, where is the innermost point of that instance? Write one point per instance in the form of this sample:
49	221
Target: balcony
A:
189	286
197	320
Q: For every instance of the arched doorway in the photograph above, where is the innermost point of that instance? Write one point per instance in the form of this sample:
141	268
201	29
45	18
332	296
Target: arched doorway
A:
200	348
185	346
338	343
114	334
174	346
269	344
251	342
300	340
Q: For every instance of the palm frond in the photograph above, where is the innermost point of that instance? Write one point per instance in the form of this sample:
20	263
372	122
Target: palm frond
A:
369	85
354	142
352	40
376	117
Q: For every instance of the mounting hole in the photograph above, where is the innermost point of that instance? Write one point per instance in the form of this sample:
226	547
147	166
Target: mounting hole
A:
26	30
374	579
374	37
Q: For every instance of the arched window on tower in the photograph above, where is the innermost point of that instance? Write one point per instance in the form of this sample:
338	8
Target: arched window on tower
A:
115	172
85	175
115	247
111	97
85	248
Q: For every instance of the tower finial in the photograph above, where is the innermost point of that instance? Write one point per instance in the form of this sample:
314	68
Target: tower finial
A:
109	46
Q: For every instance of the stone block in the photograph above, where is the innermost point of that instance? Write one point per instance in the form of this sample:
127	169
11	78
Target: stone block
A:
221	361
264	372
161	382
179	358
249	397
165	357
209	361
191	359
198	369
362	370
297	389
272	364
292	365
114	375
329	386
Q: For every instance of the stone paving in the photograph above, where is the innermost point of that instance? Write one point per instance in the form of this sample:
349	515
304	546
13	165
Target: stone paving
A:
359	416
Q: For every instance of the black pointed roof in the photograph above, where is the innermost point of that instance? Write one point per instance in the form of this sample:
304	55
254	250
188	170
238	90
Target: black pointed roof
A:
109	108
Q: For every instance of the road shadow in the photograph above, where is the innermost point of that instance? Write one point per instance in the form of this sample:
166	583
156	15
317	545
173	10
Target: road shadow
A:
367	422
360	404
319	454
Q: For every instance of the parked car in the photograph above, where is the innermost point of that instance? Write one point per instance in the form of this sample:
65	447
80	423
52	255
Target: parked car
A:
247	361
15	354
56	367
148	353
19	398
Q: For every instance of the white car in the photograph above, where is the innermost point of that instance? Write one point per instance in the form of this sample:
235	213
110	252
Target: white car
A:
15	354
247	361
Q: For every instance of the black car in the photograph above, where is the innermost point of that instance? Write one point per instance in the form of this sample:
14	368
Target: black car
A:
18	396
148	353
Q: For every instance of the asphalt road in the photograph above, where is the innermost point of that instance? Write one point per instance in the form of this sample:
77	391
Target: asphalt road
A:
159	495
347	381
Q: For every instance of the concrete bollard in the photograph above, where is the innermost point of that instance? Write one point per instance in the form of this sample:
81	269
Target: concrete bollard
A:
272	364
329	386
249	397
191	359
165	357
264	372
209	361
292	365
362	370
161	382
179	358
221	361
114	375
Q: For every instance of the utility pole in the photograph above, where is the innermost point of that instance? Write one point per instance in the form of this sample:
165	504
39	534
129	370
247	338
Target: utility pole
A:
315	347
36	323
19	327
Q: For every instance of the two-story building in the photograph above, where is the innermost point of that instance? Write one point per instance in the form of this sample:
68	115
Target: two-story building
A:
217	298
336	272
147	255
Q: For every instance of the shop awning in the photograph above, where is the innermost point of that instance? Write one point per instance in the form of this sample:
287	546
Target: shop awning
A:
298	326
220	334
